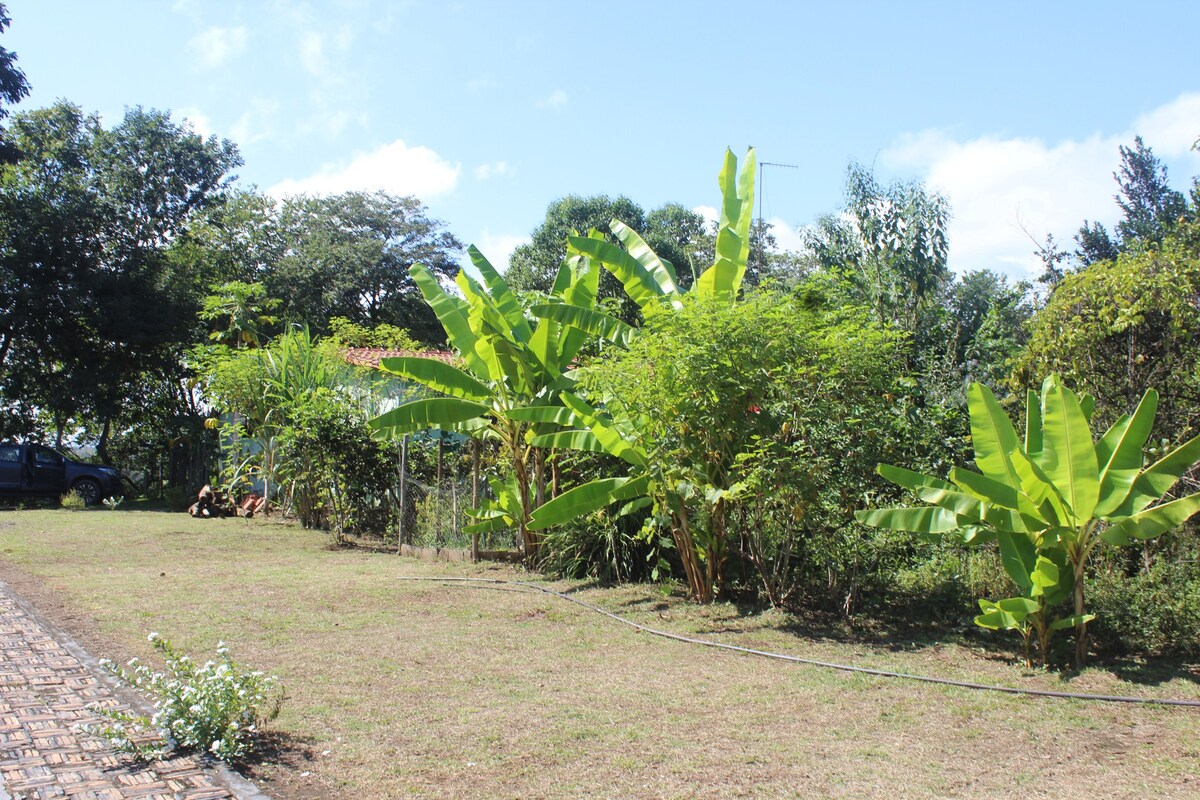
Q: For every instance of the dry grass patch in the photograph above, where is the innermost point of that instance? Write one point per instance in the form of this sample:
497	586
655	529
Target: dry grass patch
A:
416	689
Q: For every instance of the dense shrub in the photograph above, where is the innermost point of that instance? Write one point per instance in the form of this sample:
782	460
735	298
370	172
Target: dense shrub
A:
1154	609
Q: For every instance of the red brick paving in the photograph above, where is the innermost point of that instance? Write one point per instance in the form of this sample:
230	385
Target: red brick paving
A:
45	691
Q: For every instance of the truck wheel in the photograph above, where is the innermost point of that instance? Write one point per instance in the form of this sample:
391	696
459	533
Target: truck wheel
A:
88	489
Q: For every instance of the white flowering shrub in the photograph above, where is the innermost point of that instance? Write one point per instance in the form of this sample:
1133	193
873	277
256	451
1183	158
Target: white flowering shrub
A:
215	708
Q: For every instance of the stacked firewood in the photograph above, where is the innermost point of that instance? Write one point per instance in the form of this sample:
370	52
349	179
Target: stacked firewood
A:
215	503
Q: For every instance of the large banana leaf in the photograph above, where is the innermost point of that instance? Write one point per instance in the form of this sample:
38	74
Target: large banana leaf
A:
1068	454
990	491
502	295
662	271
592	322
1153	522
438	376
723	279
453	314
1119	453
1019	556
587	498
1037	487
555	415
1159	477
911	480
915	520
1033	425
992	435
638	281
420	415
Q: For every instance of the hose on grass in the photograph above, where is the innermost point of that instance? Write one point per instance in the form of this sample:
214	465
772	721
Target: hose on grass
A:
1106	698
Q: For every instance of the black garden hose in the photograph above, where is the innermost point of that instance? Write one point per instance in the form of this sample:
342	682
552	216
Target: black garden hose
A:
1107	698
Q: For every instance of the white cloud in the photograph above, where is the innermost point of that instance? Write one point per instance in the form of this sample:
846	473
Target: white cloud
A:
254	125
494	170
215	46
1005	190
556	100
1171	130
201	123
497	248
395	168
312	52
786	235
710	214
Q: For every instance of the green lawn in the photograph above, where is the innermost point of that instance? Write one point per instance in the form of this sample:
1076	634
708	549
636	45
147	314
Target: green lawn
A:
418	689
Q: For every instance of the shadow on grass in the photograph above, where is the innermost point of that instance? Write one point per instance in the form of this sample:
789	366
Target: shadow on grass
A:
278	748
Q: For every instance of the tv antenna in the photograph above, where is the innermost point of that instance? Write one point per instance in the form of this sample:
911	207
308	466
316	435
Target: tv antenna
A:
762	164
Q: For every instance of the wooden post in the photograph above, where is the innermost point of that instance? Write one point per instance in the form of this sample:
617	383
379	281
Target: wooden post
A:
475	459
438	529
403	506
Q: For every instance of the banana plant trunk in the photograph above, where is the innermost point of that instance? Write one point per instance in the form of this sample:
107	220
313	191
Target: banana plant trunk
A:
1080	627
529	539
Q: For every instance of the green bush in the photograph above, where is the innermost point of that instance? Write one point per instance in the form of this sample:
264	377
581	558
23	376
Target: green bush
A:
1153	611
72	501
216	708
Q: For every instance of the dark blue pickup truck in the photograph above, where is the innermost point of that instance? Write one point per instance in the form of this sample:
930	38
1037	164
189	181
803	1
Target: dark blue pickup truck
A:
31	470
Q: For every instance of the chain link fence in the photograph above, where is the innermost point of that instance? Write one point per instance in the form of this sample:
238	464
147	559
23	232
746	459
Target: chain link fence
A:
434	512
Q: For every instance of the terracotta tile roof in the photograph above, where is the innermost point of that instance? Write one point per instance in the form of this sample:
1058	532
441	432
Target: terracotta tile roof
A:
369	356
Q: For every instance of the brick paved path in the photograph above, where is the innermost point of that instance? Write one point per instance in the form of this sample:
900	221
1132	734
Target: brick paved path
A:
46	683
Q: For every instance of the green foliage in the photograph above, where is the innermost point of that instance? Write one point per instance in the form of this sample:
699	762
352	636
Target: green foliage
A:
1150	609
239	310
349	256
215	708
513	370
72	501
93	314
1117	327
389	337
1048	501
295	424
889	247
338	475
764	412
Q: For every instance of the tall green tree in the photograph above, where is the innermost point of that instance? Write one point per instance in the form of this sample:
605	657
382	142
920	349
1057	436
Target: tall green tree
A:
13	86
90	310
889	246
1149	207
348	256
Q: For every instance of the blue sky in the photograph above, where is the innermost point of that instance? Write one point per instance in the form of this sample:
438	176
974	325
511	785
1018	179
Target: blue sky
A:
488	111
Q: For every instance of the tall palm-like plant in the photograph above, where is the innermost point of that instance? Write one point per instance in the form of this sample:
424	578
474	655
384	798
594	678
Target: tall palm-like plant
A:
1049	500
515	371
651	283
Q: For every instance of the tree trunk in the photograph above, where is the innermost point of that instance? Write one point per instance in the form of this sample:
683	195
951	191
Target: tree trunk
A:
686	545
102	445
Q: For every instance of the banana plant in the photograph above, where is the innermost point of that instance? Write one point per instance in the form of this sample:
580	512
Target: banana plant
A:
512	365
1056	494
650	282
